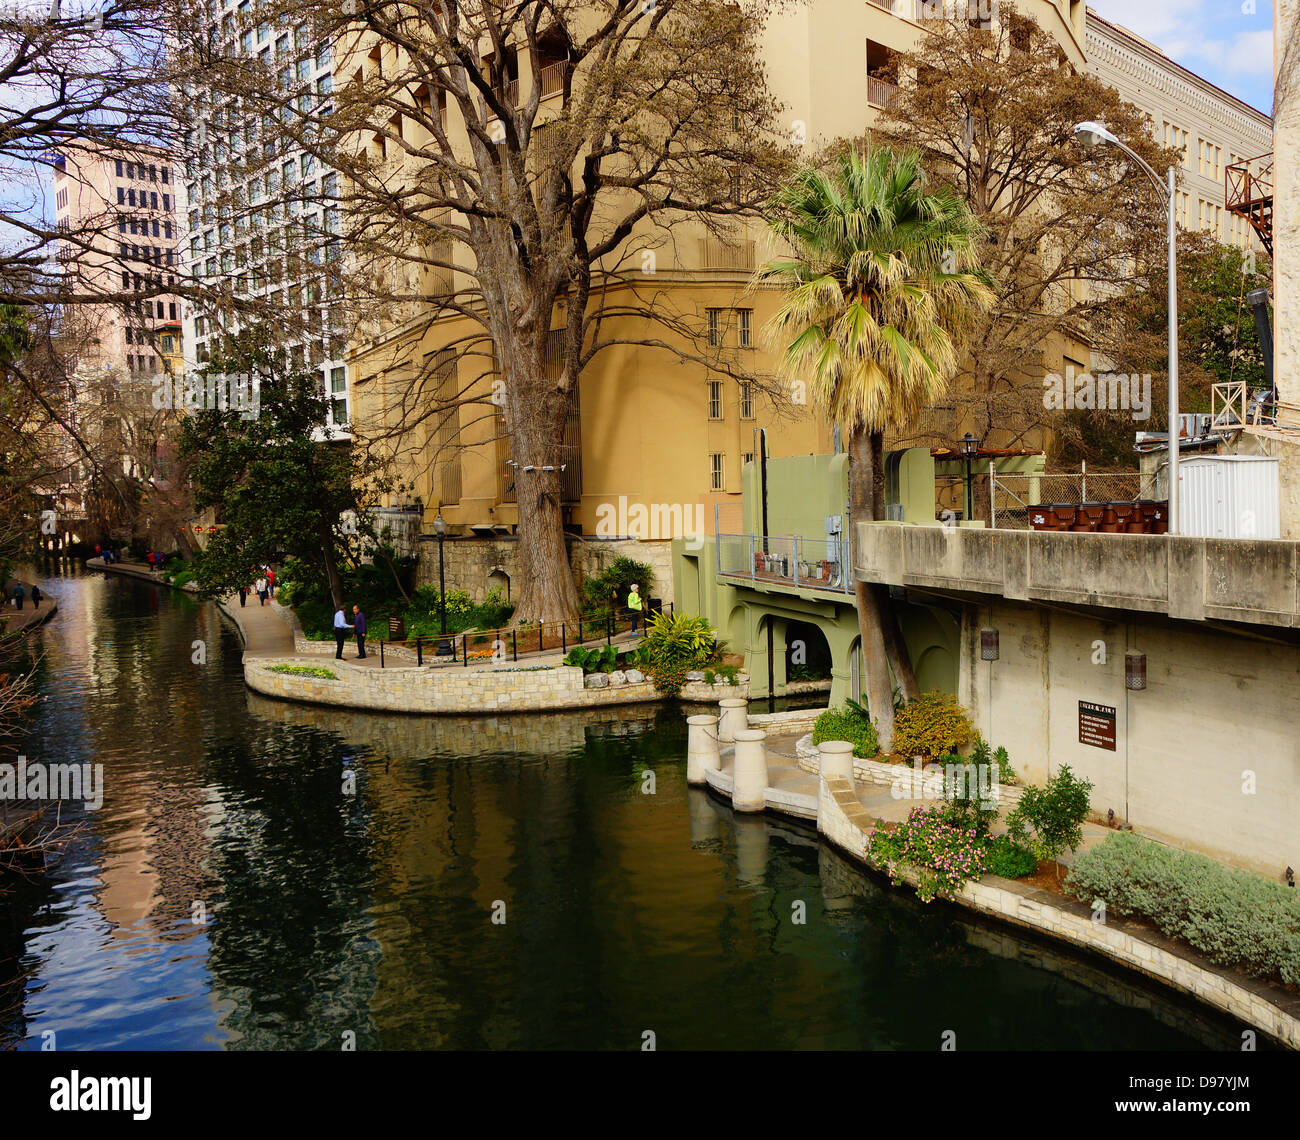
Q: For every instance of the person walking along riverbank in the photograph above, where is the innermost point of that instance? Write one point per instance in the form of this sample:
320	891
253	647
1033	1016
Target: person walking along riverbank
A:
261	590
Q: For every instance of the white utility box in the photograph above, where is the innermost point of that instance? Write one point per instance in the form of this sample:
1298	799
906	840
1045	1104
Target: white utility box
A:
1228	496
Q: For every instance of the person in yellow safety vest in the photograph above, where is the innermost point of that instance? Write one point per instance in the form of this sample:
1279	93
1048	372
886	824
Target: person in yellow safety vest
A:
634	604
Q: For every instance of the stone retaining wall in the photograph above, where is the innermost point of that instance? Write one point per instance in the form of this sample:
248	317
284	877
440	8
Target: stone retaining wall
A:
843	820
445	691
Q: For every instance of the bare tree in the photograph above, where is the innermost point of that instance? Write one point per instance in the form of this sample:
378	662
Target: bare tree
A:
1069	228
511	172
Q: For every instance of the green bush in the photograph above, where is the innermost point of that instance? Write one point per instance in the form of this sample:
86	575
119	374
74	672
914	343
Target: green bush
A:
1012	860
675	645
966	807
616	581
1234	918
931	725
600	659
304	671
850	725
182	578
1055	814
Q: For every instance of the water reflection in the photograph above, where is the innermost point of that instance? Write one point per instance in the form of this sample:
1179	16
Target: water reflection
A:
266	875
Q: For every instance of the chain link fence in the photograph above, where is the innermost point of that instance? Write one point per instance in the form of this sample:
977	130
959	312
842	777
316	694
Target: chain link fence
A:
1013	494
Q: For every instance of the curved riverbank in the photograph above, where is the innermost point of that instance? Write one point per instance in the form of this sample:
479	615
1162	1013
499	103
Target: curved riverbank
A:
834	804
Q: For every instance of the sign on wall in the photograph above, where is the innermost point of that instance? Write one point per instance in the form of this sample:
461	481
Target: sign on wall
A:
1097	725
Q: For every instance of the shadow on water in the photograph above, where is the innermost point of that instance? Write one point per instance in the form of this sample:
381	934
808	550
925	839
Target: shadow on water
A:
267	875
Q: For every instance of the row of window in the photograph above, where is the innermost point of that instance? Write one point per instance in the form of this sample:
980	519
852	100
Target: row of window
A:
144	227
717	409
135	282
144	337
1209	158
140	172
149	253
147	198
721	321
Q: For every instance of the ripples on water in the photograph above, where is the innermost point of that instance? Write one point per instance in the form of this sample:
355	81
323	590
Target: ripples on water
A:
371	914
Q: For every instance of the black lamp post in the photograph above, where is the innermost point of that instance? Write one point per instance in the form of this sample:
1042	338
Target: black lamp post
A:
970	447
440	529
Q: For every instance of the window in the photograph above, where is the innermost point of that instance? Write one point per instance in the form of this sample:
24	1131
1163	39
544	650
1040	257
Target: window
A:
153	173
117	166
171	310
130	197
746	327
715	399
715	327
167	202
717	467
130	170
323	55
746	400
121	196
748	457
338	396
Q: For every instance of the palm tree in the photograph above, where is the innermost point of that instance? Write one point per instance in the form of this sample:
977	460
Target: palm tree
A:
882	284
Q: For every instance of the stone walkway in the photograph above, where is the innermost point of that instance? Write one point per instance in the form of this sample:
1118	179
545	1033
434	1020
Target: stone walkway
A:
785	775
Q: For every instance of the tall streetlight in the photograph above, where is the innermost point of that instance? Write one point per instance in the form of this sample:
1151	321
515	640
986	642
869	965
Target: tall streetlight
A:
1095	134
970	447
440	529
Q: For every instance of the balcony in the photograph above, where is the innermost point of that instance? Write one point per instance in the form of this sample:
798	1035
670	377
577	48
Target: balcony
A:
784	563
879	92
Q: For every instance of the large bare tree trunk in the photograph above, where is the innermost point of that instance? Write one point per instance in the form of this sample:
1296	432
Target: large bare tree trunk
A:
538	416
880	692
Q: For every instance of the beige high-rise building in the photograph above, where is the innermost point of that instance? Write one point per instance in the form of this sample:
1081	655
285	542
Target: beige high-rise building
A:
123	205
1213	129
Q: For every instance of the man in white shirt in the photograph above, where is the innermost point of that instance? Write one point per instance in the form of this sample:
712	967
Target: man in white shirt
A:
341	628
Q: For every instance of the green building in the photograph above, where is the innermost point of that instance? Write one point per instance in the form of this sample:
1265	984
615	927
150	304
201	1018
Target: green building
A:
781	591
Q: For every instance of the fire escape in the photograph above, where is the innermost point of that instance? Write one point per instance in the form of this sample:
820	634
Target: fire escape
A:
1248	193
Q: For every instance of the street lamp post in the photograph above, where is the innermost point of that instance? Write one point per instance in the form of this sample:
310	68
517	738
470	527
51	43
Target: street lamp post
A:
970	447
440	529
1095	134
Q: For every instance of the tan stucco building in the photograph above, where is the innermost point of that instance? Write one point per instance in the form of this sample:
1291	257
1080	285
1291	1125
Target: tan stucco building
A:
649	430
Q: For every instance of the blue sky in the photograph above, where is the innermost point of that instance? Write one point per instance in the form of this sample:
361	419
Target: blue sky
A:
1229	42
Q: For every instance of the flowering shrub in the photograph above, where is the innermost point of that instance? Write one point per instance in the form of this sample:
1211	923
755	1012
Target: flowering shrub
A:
931	725
944	856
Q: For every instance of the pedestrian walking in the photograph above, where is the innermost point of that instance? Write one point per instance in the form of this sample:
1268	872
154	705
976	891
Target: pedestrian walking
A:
359	625
243	595
98	552
634	604
261	590
19	595
149	559
341	628
270	581
36	597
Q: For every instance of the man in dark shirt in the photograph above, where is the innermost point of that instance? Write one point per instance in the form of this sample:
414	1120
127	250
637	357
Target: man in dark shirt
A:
359	626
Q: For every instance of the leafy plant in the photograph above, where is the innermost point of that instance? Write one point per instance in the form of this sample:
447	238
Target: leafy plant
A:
304	671
614	583
676	644
849	724
600	659
1054	813
931	725
1010	859
967	788
944	856
1235	918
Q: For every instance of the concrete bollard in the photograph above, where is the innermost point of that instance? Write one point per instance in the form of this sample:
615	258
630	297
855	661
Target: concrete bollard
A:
733	715
835	759
749	770
701	747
